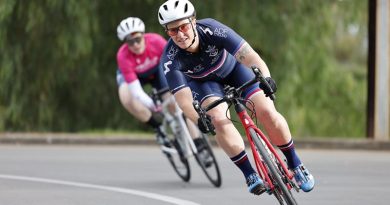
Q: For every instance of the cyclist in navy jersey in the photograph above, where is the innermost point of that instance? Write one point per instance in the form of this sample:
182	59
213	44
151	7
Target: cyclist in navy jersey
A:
200	58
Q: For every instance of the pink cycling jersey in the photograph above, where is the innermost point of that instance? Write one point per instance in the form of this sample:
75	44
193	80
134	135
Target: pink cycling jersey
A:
131	65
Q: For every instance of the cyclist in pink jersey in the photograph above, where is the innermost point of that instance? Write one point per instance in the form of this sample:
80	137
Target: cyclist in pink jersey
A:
138	61
138	64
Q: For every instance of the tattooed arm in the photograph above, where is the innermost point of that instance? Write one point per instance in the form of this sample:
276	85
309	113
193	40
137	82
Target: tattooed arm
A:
247	56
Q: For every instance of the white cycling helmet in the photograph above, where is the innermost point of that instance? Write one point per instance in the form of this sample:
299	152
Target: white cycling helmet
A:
173	10
128	26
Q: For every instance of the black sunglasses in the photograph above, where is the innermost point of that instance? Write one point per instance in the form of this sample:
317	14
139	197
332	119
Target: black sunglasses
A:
132	41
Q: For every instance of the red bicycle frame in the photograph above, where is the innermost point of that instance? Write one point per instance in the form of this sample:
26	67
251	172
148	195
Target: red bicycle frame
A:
270	167
248	123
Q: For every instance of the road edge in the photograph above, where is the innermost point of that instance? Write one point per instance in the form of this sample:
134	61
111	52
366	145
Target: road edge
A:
148	139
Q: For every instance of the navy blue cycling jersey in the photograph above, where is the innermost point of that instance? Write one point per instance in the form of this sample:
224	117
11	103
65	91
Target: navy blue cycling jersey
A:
218	44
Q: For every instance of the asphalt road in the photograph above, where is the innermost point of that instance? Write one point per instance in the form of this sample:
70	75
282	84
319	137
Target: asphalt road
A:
102	175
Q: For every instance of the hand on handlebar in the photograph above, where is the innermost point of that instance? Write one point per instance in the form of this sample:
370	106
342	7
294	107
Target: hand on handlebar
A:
205	124
268	91
204	120
156	108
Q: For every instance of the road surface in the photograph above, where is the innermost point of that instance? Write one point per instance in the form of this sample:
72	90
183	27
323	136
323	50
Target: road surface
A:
101	175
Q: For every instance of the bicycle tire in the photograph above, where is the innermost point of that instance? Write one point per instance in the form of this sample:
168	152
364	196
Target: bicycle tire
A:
177	159
281	190
211	171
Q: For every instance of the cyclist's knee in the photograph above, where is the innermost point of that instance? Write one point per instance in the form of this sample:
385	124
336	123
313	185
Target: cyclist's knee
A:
269	116
220	121
124	94
130	104
172	107
135	107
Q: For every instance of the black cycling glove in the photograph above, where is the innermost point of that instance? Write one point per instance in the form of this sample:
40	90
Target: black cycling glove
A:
205	125
272	84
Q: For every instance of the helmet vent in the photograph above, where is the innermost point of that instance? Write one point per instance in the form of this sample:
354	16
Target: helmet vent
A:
128	26
173	10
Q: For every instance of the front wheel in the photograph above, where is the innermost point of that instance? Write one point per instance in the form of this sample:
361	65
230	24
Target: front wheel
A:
210	166
175	154
281	191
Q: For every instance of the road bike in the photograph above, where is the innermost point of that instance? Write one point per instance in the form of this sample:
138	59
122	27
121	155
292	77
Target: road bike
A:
269	165
179	145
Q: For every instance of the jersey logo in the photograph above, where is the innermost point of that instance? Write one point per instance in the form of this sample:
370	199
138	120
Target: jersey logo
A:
217	57
212	50
206	30
148	63
196	69
166	69
221	32
195	95
172	52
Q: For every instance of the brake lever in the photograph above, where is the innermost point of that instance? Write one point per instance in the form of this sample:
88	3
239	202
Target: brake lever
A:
202	115
262	80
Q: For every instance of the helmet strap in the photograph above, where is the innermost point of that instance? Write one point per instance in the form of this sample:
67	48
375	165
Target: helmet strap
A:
193	30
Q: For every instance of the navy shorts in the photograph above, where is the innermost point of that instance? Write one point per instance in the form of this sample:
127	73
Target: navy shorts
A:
238	76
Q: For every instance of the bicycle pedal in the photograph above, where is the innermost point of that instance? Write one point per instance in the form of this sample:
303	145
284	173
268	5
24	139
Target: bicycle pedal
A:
268	188
168	150
259	190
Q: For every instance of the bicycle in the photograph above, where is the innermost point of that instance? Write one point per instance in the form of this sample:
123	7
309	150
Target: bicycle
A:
181	147
269	165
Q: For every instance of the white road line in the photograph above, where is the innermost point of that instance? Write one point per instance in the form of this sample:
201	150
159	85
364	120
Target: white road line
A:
159	197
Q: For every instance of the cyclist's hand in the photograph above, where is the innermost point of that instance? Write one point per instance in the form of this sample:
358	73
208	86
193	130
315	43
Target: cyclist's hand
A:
156	108
272	84
157	113
205	125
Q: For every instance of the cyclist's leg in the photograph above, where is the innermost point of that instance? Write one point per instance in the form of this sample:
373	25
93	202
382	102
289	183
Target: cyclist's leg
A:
133	106
278	130
276	126
193	129
137	108
227	136
274	123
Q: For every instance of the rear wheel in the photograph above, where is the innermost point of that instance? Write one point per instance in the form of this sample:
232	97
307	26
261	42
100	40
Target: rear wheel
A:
281	191
209	167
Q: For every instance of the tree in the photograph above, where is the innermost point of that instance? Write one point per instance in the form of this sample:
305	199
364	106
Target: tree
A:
57	62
